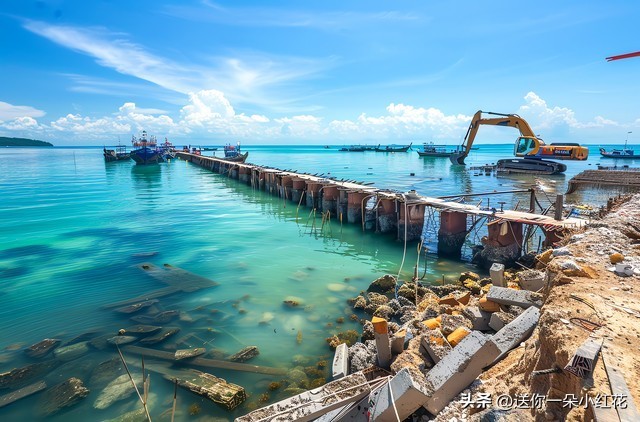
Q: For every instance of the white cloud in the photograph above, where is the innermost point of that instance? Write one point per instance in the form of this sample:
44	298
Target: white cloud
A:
23	124
10	111
541	116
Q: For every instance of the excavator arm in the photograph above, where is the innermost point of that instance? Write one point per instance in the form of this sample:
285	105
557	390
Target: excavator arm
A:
512	120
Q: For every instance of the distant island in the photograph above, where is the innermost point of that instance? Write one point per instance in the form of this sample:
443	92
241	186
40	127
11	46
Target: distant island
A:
22	142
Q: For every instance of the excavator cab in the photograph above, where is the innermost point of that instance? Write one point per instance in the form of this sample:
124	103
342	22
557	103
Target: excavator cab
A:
526	145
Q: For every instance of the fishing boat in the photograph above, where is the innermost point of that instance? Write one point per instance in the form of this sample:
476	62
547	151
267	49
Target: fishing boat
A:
147	151
168	150
358	148
118	153
619	153
433	150
393	148
233	153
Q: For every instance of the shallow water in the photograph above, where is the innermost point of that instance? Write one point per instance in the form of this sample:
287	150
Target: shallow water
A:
73	231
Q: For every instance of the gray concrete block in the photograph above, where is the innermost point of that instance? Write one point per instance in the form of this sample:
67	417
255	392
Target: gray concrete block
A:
407	394
497	274
506	296
450	323
532	280
340	362
516	331
581	364
479	318
499	320
314	403
458	369
435	344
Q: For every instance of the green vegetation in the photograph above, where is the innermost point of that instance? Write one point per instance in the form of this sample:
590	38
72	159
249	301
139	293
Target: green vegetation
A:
22	142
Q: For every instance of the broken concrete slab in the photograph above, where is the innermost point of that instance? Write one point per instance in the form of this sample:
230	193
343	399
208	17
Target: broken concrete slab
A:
582	362
457	370
161	336
245	354
61	396
397	341
516	331
479	318
497	274
118	389
136	306
451	322
506	296
435	344
532	280
340	366
499	320
19	377
312	404
22	393
42	348
140	330
402	394
74	351
189	353
215	389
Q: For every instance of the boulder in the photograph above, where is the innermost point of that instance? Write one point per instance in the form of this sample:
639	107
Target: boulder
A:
245	354
384	285
190	353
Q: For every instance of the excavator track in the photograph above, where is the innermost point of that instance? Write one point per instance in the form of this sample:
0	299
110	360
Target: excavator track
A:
529	166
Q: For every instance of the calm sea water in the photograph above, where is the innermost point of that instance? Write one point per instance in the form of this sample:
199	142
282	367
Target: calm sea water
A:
72	231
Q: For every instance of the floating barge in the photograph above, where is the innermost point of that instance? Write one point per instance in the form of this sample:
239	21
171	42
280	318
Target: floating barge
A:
624	178
403	213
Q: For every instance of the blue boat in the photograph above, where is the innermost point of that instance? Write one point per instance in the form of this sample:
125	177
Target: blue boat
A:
147	151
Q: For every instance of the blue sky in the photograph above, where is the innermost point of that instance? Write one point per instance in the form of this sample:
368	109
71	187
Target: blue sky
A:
319	72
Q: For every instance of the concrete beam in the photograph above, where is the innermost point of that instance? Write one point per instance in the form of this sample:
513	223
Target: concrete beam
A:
397	342
403	391
479	318
499	320
532	280
457	370
314	403
506	296
340	366
581	364
516	331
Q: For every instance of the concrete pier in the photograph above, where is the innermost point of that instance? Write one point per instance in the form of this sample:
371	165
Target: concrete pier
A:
383	344
344	201
452	233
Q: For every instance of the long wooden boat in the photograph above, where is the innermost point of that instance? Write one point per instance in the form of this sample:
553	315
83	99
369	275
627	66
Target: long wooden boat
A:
118	153
240	158
393	148
432	150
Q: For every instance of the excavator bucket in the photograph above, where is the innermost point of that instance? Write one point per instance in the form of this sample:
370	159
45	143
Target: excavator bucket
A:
458	158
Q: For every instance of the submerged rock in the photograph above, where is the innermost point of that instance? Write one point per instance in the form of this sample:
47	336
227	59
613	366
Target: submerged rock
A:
42	348
161	336
245	354
140	330
71	352
385	284
21	376
106	371
62	395
161	318
119	340
118	389
136	306
189	353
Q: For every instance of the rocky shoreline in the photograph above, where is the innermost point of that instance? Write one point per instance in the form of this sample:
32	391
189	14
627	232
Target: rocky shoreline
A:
458	351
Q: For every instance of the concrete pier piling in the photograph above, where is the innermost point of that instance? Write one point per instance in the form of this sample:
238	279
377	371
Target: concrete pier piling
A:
313	195
355	206
298	187
411	225
387	215
330	199
244	175
452	233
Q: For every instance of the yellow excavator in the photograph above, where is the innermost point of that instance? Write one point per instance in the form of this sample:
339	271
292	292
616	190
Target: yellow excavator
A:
533	149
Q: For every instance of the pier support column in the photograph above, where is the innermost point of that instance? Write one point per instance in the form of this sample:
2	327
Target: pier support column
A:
354	206
216	166
297	190
269	182
551	237
502	245
452	232
244	174
343	204
313	195
330	199
414	222
233	171
286	184
387	218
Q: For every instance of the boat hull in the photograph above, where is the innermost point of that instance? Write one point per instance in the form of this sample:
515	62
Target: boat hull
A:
241	158
434	154
145	156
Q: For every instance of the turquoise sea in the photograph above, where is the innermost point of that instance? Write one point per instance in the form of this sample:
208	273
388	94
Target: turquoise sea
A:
74	230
